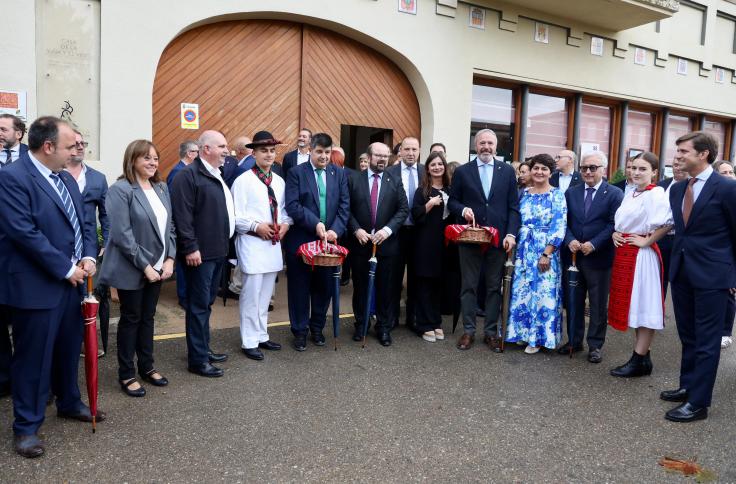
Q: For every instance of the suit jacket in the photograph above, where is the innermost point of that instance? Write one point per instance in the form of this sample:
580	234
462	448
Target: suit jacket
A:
665	183
200	213
395	170
392	210
621	185
95	191
289	162
596	228
706	247
135	241
177	168
577	179
302	204
36	237
500	210
22	150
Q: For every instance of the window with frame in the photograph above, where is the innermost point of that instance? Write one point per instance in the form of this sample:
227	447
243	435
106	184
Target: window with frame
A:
718	130
547	125
639	132
494	108
677	126
595	128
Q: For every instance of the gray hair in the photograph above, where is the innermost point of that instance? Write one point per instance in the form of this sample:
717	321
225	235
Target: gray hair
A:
598	154
484	131
184	147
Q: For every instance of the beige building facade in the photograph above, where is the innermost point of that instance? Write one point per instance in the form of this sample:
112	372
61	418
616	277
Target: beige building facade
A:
618	75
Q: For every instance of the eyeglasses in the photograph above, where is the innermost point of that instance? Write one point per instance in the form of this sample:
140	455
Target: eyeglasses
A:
81	144
193	151
558	158
590	167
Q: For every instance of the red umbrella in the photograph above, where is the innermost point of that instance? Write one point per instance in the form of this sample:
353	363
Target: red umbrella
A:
90	305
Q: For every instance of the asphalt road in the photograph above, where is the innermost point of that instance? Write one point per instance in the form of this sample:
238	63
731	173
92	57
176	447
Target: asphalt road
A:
412	412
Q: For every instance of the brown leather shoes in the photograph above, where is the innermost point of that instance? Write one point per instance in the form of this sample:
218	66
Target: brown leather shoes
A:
465	342
494	343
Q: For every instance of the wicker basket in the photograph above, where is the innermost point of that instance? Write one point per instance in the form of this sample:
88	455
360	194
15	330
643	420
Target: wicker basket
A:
474	235
325	260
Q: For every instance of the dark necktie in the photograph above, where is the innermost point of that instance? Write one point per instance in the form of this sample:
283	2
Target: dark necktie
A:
588	199
322	195
374	200
687	206
8	156
71	214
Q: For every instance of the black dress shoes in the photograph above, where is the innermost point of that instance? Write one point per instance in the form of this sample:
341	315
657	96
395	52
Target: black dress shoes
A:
138	392
595	355
318	339
358	335
206	369
687	412
83	415
384	339
565	349
29	446
253	353
679	395
300	343
216	357
161	381
269	345
638	365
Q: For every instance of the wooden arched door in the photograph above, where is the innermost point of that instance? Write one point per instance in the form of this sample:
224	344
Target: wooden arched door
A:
261	74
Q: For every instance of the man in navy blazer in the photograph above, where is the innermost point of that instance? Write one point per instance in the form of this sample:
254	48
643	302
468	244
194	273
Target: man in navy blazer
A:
591	208
47	248
665	243
565	176
702	271
300	154
313	221
484	192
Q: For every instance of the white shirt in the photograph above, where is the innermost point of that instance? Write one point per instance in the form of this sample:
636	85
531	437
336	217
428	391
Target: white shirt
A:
490	170
595	190
228	196
564	181
407	171
82	180
630	187
378	195
301	158
159	210
698	185
14	155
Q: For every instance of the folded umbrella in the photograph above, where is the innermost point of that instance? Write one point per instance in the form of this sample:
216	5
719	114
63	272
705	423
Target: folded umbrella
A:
90	306
508	275
337	275
372	263
572	282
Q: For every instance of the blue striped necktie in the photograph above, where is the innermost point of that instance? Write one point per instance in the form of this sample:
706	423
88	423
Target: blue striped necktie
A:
71	214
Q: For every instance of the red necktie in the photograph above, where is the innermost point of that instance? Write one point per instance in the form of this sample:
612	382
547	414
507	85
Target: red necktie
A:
687	206
374	200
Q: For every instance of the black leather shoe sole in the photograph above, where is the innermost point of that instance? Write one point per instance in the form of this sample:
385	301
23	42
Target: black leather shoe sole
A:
253	354
28	446
217	357
209	373
269	345
686	413
679	395
318	340
299	345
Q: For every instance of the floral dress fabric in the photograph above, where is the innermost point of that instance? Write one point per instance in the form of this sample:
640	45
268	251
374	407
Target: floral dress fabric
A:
535	313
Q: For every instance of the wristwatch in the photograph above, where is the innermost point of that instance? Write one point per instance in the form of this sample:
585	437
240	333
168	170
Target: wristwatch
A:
544	254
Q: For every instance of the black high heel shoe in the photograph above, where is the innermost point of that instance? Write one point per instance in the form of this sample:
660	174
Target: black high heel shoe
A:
125	385
159	382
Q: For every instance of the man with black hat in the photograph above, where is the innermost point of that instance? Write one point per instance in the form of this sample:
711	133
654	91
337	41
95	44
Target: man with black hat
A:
260	223
317	199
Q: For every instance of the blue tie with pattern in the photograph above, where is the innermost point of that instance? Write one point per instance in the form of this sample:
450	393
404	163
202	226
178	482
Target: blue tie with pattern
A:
412	190
71	214
484	179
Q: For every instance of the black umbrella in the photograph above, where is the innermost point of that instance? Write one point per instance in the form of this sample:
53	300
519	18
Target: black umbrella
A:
572	282
337	275
508	275
372	263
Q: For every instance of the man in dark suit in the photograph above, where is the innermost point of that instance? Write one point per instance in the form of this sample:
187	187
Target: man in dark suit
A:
378	208
626	185
565	176
299	155
591	208
665	243
318	202
484	192
204	217
49	248
702	271
411	173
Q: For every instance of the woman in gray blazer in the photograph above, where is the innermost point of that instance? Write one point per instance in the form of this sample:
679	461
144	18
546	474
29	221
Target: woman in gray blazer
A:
139	255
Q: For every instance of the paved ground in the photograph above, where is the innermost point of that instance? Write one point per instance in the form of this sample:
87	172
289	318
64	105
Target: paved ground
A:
414	411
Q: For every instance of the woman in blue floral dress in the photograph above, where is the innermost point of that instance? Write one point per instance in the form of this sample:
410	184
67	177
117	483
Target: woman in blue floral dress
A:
535	314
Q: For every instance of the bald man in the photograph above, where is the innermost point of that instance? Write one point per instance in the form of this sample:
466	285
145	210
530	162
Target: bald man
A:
204	216
565	176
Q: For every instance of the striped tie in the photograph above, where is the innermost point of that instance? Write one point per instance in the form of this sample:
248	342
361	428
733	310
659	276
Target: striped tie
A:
71	214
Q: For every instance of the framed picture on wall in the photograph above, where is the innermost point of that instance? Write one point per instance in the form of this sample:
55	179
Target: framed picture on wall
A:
541	33
477	18
720	75
682	66
640	56
596	46
408	6
633	152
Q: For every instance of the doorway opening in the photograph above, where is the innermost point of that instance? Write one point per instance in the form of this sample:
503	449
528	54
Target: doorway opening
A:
354	140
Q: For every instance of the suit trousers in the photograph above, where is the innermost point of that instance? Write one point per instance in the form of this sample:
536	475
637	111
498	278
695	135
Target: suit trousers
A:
46	343
135	329
405	260
6	349
202	284
730	315
429	304
665	248
594	283
382	291
255	296
700	314
308	295
472	260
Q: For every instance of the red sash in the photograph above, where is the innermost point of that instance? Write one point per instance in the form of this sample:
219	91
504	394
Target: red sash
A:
622	283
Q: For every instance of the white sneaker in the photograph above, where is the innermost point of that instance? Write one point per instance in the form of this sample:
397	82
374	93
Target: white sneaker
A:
439	334
429	336
530	350
726	341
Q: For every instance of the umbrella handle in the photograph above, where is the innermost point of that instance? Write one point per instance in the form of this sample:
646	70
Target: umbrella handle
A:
574	259
374	250
90	289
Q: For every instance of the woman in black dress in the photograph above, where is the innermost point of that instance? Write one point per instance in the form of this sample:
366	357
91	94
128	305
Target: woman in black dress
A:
430	218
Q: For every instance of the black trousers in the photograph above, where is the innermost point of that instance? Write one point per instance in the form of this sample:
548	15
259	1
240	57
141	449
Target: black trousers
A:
6	349
429	304
135	329
595	283
472	260
405	261
384	302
